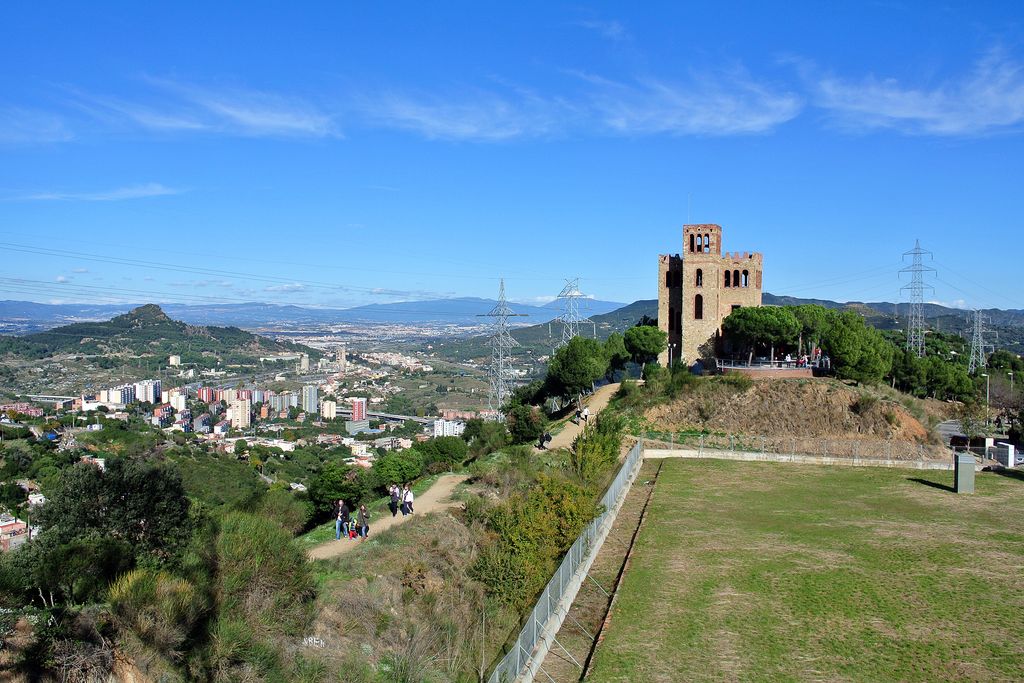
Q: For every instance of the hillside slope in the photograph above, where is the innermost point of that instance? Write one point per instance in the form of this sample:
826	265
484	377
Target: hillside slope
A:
800	408
145	331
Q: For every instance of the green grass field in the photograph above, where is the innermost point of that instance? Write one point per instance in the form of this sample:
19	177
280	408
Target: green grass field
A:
775	572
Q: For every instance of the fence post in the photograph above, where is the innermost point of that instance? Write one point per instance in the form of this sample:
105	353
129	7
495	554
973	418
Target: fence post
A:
700	448
762	445
792	447
826	448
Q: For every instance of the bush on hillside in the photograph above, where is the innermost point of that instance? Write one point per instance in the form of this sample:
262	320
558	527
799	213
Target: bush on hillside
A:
525	423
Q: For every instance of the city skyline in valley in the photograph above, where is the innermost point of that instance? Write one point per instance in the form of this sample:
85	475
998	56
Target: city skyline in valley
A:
344	156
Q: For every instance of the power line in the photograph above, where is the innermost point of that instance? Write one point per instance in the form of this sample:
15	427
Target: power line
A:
916	287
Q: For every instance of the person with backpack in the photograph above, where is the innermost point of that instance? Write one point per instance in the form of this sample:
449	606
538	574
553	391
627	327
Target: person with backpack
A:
396	495
363	520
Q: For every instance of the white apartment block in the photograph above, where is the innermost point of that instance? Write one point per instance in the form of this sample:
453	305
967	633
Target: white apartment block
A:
241	412
449	427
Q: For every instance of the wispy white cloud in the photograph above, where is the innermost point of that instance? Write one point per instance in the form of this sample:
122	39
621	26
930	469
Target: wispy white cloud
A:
19	126
289	287
117	194
728	102
474	115
79	270
63	278
713	103
175	106
988	99
612	30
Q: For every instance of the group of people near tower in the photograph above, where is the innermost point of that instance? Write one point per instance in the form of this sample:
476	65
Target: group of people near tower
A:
356	524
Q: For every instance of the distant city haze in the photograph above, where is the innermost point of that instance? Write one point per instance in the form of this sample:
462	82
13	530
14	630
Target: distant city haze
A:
348	155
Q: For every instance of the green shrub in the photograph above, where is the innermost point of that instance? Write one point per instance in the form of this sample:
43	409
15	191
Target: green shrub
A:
160	609
863	404
737	380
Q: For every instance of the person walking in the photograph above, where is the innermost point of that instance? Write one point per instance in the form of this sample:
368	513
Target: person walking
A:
409	497
341	519
395	499
586	414
402	494
363	520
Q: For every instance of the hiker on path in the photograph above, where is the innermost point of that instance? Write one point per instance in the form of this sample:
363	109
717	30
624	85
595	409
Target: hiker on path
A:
341	520
401	499
395	499
409	497
586	414
363	520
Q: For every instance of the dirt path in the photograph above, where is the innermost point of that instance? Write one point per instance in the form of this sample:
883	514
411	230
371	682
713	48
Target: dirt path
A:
437	497
596	402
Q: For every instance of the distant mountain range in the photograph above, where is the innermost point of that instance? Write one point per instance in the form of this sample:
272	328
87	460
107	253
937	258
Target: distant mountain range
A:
1006	327
26	316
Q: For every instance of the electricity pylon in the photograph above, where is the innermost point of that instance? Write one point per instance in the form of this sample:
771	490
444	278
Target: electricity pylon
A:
916	287
979	349
570	316
500	370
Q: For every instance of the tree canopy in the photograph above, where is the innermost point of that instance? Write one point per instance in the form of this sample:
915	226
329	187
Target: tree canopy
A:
575	367
645	342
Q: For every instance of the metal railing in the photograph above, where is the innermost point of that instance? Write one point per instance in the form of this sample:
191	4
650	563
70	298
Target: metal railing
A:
546	618
880	449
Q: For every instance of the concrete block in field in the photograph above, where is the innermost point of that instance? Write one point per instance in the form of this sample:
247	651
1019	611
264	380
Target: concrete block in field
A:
963	473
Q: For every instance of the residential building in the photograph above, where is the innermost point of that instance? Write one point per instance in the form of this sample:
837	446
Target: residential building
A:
97	462
148	391
329	410
228	395
163	415
174	360
358	409
448	428
310	398
304	363
13	532
201	425
178	401
356	426
221	428
241	413
207	394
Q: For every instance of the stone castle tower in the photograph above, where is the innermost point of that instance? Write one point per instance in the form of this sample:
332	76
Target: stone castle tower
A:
698	290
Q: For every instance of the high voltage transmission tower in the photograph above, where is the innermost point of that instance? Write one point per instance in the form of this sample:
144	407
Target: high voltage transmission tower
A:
979	349
916	287
500	371
570	316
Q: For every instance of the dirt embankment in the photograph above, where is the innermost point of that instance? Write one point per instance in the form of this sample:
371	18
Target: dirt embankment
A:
789	408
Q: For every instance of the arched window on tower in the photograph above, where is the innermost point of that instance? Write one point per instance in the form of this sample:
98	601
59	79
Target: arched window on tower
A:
736	278
728	278
668	278
692	240
707	244
700	278
746	278
698	307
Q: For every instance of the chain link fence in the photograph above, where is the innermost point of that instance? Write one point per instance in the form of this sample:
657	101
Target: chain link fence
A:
547	615
866	449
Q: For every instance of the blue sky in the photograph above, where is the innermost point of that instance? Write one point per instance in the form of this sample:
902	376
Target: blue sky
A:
351	153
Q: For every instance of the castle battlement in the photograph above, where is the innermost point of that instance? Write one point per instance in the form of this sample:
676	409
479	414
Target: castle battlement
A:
744	256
